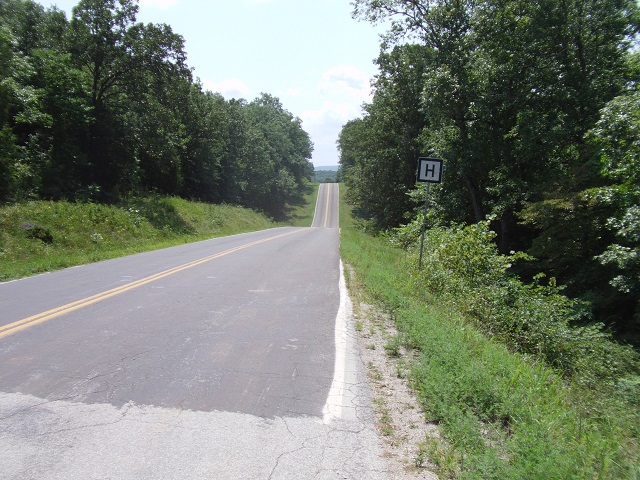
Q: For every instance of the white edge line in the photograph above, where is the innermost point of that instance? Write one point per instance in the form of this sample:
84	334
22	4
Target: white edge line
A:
335	400
315	211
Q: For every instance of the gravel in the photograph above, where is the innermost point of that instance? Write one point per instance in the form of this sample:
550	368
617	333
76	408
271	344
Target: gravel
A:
401	420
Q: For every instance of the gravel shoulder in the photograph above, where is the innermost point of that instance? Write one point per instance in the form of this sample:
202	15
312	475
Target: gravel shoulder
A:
400	419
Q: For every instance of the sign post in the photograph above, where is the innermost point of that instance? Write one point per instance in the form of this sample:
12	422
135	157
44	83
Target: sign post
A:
429	171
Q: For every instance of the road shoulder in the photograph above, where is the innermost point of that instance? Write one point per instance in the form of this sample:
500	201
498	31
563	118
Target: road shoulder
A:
400	420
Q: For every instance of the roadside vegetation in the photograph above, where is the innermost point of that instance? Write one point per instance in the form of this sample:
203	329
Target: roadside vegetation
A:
534	107
100	107
517	388
40	236
525	318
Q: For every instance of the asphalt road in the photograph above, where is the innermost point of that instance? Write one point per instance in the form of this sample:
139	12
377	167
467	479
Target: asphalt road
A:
231	358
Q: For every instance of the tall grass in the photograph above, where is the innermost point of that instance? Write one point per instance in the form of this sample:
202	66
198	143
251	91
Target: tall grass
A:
41	236
505	412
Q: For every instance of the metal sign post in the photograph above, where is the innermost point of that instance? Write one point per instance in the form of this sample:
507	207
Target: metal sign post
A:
429	171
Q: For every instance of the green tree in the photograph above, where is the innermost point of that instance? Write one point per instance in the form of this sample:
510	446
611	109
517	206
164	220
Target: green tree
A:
386	162
549	66
447	88
158	91
205	120
8	97
617	134
277	156
67	169
101	41
233	163
101	47
132	70
101	106
510	88
24	121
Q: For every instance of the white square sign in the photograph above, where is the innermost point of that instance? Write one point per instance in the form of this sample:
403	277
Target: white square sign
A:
429	170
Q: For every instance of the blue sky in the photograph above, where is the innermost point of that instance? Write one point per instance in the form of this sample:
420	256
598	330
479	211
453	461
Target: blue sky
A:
309	53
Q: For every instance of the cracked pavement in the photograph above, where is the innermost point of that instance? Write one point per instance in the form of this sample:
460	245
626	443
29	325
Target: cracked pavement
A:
66	440
61	439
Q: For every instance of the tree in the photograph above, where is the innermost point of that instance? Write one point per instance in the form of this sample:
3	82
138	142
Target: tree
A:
550	67
510	88
101	42
25	122
277	156
101	107
158	92
67	170
8	94
380	166
206	118
130	65
447	88
617	134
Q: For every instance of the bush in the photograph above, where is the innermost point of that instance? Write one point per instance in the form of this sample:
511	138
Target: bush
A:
462	266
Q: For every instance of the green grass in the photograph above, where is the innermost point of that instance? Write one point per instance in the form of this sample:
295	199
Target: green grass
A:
503	415
41	236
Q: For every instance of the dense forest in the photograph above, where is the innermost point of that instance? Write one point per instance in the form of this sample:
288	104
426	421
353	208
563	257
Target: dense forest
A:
534	106
100	107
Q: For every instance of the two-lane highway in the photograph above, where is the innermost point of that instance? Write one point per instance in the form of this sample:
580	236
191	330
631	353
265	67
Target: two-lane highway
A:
219	359
326	214
246	328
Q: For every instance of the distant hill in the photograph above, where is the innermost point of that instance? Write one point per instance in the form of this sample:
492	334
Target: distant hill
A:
325	174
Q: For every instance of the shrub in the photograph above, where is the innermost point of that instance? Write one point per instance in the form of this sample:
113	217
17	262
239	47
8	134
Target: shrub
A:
462	265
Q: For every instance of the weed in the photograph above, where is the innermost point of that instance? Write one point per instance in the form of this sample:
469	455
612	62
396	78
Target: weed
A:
385	422
444	457
392	347
374	373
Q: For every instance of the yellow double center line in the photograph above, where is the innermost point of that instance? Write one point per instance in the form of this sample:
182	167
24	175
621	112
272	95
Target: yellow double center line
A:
70	307
326	208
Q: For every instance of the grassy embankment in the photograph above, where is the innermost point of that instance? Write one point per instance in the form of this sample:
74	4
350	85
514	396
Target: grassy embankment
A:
42	236
503	414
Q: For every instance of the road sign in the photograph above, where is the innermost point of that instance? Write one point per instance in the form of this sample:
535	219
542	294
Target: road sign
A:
429	170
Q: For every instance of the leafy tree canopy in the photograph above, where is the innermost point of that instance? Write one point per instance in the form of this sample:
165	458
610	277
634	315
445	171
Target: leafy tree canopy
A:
101	106
533	107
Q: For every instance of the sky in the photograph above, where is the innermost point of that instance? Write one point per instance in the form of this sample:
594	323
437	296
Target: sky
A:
309	53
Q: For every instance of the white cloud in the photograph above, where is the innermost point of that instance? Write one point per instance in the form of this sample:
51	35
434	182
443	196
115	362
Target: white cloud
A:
295	92
330	112
346	80
159	3
230	88
324	125
343	89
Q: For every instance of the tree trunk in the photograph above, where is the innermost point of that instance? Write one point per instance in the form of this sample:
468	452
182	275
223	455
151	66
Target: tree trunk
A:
506	238
476	199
